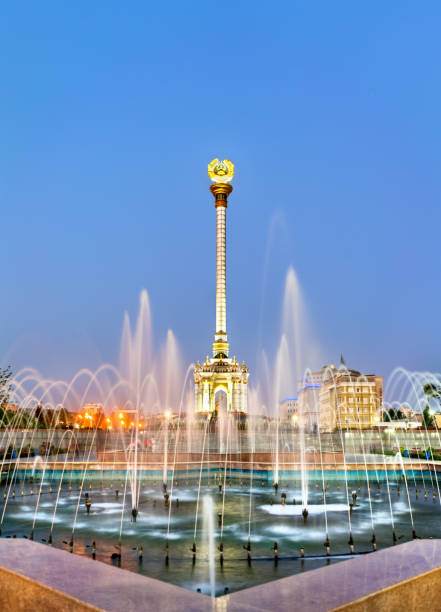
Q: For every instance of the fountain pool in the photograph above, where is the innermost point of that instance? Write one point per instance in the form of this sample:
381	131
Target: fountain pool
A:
239	511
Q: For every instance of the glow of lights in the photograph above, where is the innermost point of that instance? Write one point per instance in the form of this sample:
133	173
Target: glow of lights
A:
167	414
121	416
122	423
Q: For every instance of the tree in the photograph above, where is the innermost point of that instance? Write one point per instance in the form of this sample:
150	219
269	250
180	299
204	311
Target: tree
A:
432	391
427	417
39	417
393	415
64	418
5	386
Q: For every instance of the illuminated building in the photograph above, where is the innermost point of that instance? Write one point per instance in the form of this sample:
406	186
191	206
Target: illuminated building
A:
350	400
309	398
91	415
221	382
289	409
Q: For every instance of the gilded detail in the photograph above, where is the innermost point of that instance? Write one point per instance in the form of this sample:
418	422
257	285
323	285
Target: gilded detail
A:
221	171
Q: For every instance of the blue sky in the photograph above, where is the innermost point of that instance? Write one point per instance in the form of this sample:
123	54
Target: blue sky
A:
110	113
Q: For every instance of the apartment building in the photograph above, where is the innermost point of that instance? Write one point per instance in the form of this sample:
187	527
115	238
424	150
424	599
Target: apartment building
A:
350	400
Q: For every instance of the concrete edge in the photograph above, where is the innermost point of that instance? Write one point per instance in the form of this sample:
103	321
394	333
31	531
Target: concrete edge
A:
26	559
371	596
78	604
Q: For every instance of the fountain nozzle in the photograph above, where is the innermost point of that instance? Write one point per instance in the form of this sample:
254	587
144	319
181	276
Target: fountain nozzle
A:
248	549
305	514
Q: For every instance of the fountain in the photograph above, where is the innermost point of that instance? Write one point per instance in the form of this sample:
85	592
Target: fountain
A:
108	487
149	447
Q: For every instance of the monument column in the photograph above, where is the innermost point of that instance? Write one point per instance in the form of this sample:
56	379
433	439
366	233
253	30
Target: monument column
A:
221	191
220	374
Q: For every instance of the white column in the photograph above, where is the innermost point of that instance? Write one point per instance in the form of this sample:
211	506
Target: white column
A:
221	271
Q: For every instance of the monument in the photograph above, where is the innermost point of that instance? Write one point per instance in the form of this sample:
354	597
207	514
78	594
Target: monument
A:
221	382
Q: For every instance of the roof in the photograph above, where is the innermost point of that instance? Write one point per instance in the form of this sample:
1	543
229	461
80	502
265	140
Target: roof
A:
310	386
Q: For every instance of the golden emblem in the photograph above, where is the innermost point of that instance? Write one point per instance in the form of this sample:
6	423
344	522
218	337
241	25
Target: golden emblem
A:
221	171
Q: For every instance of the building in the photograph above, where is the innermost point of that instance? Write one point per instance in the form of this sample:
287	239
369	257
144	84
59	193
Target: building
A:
407	411
91	415
309	398
11	407
289	410
220	384
349	399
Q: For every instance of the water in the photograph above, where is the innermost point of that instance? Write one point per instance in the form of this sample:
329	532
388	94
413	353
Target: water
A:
185	487
270	522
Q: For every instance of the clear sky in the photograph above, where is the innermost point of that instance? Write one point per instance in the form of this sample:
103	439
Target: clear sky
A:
110	112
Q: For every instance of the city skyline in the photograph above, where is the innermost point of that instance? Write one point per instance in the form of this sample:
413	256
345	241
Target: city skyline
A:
105	190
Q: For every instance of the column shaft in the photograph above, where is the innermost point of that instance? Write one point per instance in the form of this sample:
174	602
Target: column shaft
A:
221	271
